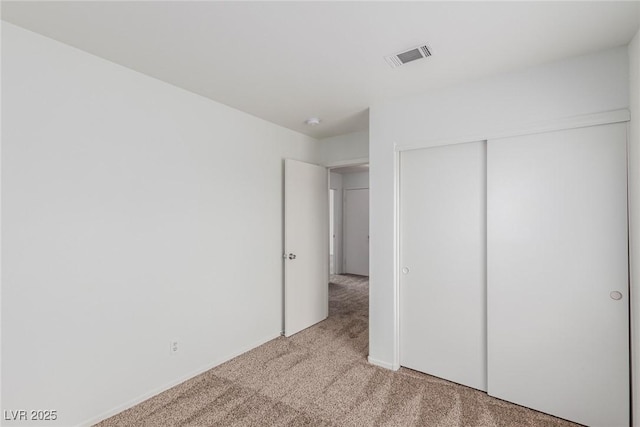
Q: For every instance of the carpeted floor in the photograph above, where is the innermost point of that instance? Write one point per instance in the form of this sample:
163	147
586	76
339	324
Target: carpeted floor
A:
320	377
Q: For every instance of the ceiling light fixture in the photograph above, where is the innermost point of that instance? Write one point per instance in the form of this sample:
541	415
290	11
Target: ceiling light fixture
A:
313	121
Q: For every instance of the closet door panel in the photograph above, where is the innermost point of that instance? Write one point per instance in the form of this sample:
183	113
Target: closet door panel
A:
443	247
558	338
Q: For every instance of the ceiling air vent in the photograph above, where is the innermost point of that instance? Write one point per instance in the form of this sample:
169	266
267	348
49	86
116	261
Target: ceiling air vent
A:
408	55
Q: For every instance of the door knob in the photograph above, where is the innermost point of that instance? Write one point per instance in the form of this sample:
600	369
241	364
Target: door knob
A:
292	256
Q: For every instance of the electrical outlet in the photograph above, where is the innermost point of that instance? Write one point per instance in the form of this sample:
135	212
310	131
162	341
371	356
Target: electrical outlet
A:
173	347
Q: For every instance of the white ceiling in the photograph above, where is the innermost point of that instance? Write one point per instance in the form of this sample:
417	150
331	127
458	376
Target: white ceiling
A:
288	61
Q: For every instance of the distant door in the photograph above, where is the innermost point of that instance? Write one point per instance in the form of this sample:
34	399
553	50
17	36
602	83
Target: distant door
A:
356	231
332	233
558	273
442	240
306	272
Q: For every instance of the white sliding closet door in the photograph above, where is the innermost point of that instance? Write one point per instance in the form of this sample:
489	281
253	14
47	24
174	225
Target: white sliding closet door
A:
558	338
443	262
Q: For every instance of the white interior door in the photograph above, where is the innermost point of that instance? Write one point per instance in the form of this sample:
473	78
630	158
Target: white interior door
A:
443	262
557	273
356	231
306	217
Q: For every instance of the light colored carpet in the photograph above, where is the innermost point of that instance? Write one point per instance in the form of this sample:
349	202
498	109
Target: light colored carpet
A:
320	377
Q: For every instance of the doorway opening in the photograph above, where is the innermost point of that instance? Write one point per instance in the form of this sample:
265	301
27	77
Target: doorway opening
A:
349	220
348	287
312	251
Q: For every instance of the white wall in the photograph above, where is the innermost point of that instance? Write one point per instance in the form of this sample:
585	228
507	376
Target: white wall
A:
335	180
356	180
342	148
131	211
576	86
634	199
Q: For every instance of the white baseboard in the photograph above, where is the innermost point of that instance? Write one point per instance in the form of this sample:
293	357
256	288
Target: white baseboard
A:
173	383
382	364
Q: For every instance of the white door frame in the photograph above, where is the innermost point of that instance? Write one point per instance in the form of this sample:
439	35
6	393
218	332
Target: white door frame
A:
344	163
608	117
334	165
